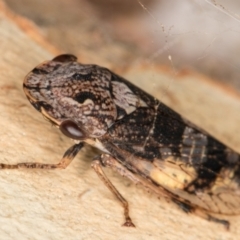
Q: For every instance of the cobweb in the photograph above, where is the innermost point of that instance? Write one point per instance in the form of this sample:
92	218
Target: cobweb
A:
199	34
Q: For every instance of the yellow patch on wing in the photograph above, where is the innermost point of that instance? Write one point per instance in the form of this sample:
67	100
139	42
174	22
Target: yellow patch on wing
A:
173	175
169	173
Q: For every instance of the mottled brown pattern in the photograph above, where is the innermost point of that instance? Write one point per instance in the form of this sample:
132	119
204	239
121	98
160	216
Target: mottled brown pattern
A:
141	137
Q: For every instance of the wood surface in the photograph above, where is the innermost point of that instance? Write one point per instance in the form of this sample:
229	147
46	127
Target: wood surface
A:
73	203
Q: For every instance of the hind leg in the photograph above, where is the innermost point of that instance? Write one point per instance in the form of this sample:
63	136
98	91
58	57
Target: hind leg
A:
187	208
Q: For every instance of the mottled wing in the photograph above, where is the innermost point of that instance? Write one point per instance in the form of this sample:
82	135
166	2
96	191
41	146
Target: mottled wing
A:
143	134
157	143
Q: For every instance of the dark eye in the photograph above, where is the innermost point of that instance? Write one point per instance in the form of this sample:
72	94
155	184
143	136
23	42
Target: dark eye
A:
71	129
65	58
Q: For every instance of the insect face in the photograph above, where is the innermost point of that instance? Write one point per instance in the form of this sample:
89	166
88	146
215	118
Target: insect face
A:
81	95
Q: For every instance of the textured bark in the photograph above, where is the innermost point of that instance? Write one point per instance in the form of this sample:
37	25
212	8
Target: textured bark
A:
73	203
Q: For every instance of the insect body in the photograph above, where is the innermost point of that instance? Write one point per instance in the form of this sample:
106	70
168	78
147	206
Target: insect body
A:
139	136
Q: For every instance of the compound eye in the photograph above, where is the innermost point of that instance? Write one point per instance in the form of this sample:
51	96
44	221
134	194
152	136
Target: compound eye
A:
65	58
72	130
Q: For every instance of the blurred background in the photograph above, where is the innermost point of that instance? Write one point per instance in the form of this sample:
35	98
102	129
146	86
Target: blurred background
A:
198	34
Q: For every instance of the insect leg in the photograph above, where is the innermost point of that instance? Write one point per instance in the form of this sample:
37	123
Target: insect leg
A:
211	218
65	161
97	165
191	209
108	161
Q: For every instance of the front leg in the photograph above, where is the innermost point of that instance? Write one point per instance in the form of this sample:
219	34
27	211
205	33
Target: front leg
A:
65	161
97	165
